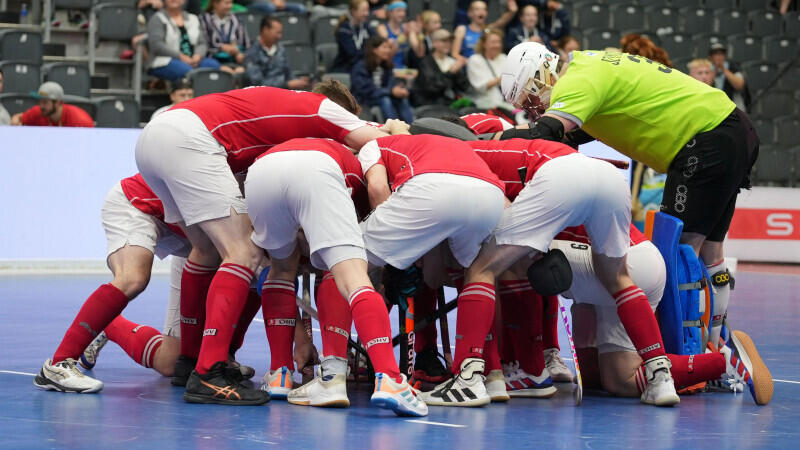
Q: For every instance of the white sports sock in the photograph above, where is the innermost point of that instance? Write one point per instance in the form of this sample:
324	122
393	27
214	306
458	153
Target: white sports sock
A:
333	365
722	295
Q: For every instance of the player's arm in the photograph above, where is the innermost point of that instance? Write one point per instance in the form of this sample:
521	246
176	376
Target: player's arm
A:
16	119
377	185
360	136
549	127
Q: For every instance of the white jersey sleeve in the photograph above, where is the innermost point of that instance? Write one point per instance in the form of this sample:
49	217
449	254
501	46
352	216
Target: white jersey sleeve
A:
339	116
369	155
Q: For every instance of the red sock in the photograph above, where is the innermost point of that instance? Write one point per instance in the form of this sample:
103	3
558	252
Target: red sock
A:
140	342
227	296
280	317
473	322
491	353
195	281
550	323
639	321
334	318
530	347
374	331
509	294
424	306
590	367
106	303
688	370
250	310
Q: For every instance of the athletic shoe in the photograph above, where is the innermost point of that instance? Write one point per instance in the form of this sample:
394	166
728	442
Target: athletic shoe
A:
278	383
399	397
246	371
523	384
184	366
324	390
429	368
510	370
65	376
660	390
496	386
465	389
221	386
89	356
724	384
559	372
744	365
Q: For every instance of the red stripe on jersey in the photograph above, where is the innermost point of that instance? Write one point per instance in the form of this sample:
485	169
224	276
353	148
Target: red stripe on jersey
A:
144	199
481	123
248	121
405	156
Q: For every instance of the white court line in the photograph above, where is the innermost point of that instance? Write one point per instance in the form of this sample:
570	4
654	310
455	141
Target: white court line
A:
786	381
441	424
18	373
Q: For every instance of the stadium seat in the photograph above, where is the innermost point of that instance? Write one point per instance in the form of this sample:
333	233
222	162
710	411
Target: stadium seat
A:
719	4
73	4
753	5
73	77
18	45
111	22
759	75
592	15
648	3
780	49
764	23
115	112
791	24
795	154
17	103
678	46
83	103
790	80
681	64
772	167
326	53
730	21
324	30
599	39
686	3
662	20
415	7
744	48
295	28
302	59
703	42
787	131
696	20
446	9
20	77
765	129
495	10
344	78
627	17
775	103
252	23
208	81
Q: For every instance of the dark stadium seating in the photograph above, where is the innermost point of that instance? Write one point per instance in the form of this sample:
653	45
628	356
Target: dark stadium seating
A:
208	81
73	77
592	15
696	20
20	77
678	45
115	112
730	21
787	130
773	166
791	24
765	129
323	30
776	103
625	17
743	47
759	75
252	23
662	19
17	103
779	49
764	23
302	59
19	45
599	39
295	28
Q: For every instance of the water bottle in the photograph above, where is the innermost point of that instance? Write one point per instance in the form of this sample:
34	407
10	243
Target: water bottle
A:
23	14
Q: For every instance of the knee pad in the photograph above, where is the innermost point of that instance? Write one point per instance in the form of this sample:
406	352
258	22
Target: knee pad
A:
550	275
723	278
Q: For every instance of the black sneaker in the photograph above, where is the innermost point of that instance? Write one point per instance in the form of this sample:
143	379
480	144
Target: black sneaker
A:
222	387
429	368
184	366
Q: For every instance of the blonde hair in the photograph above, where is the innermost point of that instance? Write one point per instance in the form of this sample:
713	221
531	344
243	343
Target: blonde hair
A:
699	62
428	15
485	35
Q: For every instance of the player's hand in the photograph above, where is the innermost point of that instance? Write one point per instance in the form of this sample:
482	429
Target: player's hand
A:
399	92
512	6
396	126
298	83
305	354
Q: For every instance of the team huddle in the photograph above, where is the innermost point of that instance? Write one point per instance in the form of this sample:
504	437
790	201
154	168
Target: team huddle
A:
295	181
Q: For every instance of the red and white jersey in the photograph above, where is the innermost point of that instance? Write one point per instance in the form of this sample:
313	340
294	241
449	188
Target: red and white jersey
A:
406	156
505	158
578	234
351	168
248	121
482	123
144	199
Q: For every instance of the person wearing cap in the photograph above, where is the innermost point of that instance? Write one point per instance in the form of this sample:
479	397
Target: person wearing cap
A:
728	76
402	35
179	91
442	78
52	111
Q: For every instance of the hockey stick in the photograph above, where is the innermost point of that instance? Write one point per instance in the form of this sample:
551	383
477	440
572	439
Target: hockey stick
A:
445	329
578	391
624	165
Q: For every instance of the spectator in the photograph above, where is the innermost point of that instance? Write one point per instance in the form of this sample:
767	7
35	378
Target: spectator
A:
5	119
484	68
179	91
270	7
377	9
351	36
701	69
466	36
442	78
727	76
226	36
374	84
636	44
52	111
266	61
401	34
147	8
555	21
783	6
430	22
527	31
176	43
323	8
565	46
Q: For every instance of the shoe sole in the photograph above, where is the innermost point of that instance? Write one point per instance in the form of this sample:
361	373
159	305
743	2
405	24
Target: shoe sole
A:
385	401
46	384
763	387
499	398
468	403
339	403
207	399
278	393
534	393
664	401
561	378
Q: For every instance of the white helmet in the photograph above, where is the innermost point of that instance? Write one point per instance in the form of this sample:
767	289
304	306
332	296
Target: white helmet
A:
528	76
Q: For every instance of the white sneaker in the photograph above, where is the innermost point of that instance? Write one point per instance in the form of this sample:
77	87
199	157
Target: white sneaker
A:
660	390
496	386
524	384
559	372
65	377
324	390
278	383
399	397
465	389
89	356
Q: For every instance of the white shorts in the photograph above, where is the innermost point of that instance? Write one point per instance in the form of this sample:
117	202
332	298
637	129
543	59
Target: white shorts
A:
646	268
187	169
172	318
428	209
125	225
569	191
290	190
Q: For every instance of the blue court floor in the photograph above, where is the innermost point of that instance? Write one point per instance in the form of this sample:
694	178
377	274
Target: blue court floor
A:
139	409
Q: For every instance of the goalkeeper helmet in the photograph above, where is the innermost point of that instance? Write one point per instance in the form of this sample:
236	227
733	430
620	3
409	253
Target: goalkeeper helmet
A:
528	76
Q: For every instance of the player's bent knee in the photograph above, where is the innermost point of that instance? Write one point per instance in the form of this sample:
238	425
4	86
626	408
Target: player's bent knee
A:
132	284
167	354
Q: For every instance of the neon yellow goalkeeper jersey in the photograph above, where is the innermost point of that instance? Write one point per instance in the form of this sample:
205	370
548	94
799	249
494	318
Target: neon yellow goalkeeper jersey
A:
639	107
